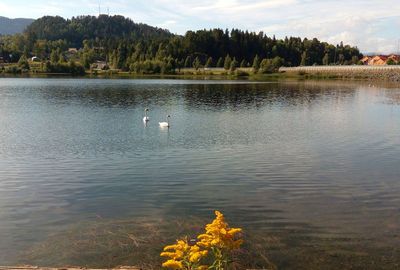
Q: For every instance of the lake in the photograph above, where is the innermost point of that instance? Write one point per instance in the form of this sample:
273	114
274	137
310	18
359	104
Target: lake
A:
310	170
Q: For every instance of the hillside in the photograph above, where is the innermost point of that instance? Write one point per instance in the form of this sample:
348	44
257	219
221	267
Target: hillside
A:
140	48
13	26
79	28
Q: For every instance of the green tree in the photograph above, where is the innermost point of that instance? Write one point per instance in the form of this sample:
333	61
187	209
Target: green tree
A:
271	65
256	63
243	63
209	62
196	63
126	44
39	49
304	59
61	57
234	64
227	62
26	51
390	61
341	59
325	60
188	61
54	56
220	62
179	64
23	62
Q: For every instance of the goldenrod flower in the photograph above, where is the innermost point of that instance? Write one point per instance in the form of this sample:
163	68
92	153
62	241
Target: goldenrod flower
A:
183	255
197	255
218	238
219	235
173	264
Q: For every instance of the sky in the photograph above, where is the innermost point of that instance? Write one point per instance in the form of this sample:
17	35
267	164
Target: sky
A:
371	25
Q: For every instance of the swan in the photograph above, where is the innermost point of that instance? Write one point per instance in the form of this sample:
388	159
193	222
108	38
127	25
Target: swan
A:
165	124
146	118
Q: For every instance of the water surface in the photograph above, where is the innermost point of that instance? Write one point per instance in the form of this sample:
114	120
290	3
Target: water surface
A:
312	165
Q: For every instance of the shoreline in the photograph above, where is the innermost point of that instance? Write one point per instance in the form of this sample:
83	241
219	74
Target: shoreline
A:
348	73
372	73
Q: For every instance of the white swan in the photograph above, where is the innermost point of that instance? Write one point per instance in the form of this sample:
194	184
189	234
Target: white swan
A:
165	124
146	118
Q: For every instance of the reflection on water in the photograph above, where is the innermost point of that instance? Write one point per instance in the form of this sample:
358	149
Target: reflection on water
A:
310	169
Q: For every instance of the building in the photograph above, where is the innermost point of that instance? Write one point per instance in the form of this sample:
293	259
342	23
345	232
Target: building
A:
380	60
394	57
99	65
72	50
365	60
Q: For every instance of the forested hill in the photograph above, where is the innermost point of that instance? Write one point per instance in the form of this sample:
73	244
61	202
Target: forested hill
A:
13	26
81	28
126	45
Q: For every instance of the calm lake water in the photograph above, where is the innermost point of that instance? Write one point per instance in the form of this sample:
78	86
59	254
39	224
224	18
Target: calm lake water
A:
310	170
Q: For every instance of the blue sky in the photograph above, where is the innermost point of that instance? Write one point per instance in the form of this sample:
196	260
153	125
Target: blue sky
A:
372	25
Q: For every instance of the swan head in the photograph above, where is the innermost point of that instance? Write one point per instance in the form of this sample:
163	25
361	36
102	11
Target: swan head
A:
146	110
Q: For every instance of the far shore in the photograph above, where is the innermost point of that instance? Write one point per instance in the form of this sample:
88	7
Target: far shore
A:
355	72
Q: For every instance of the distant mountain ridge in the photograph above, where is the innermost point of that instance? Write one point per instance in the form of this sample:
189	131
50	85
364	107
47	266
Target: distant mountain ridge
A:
130	46
13	26
103	27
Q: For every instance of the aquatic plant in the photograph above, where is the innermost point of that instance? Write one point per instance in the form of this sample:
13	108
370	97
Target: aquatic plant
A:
216	244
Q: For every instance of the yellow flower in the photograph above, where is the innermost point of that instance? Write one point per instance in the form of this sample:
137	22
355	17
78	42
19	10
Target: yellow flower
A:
197	255
219	235
218	238
170	247
185	255
168	254
173	264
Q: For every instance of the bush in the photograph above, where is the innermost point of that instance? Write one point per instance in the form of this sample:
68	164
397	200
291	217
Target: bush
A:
241	73
70	68
390	61
152	67
212	249
23	62
13	69
271	65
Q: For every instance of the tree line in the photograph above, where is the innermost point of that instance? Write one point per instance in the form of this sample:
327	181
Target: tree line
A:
140	48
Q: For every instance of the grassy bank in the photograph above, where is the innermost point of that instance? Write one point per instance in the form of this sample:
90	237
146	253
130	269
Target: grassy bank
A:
391	74
387	73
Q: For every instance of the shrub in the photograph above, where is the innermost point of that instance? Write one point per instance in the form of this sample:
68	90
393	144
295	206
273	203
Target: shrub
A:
216	244
241	73
13	69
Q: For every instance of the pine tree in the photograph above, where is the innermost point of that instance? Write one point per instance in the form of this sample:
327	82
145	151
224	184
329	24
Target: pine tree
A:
54	56
341	58
61	57
256	63
304	59
243	64
188	62
23	62
209	62
325	60
196	63
233	65
227	62
220	62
